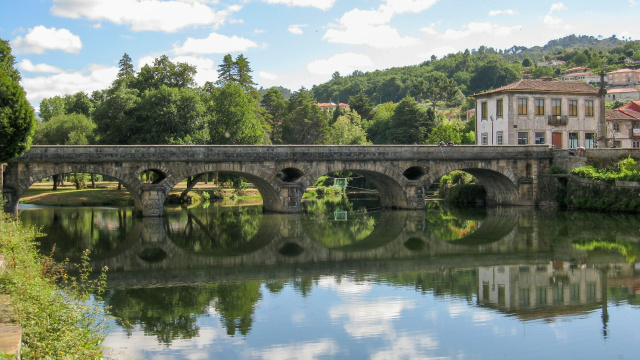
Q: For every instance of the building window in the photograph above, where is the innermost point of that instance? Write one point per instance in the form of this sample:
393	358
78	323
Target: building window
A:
524	297
502	295
499	138
522	106
539	138
539	106
589	140
591	291
485	139
542	295
588	108
616	127
636	144
523	138
573	107
573	140
556	107
485	110
499	108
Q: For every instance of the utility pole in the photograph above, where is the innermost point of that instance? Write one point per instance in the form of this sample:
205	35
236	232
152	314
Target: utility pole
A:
602	122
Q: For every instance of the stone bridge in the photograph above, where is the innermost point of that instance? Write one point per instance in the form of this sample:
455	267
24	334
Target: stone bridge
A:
282	173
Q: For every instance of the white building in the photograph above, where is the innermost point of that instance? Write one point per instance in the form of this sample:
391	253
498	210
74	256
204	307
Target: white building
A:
564	114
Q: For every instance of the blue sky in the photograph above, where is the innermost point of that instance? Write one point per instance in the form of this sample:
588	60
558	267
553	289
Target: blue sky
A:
65	46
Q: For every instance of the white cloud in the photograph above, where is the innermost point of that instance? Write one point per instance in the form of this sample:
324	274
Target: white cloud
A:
319	4
367	27
557	7
95	78
345	63
487	28
144	15
214	44
321	348
267	75
40	39
407	6
500	12
370	319
296	29
431	29
27	66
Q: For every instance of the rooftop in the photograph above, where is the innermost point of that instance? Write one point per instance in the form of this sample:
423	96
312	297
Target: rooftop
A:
545	85
622	90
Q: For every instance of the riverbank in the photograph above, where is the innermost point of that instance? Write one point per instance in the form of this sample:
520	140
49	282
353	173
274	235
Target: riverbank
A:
107	194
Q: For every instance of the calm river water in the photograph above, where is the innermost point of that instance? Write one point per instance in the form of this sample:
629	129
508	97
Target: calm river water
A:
344	281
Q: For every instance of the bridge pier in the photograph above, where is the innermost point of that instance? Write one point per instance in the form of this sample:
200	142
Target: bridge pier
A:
11	198
290	196
415	196
152	198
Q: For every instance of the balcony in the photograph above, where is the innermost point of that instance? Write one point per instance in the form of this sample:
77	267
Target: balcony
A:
557	120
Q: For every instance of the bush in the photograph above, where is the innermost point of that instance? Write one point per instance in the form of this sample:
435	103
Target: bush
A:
51	305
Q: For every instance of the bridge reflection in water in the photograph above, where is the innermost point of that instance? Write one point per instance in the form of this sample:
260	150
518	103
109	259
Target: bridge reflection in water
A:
516	260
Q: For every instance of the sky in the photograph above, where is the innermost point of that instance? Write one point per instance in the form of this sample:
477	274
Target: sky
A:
66	46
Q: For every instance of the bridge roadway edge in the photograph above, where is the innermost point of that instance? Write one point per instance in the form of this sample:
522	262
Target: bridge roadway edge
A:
401	172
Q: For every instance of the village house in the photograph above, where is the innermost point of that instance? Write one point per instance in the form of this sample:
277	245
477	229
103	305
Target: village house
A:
565	114
329	107
623	77
622	94
623	126
550	63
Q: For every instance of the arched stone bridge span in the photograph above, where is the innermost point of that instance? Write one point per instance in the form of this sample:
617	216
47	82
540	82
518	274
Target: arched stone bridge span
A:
401	173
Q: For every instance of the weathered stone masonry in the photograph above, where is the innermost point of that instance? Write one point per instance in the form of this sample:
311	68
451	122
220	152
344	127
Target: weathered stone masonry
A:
401	173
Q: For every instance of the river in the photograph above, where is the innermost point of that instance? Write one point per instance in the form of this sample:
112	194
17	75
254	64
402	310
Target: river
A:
344	280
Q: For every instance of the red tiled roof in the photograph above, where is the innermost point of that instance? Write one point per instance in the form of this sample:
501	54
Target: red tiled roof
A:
634	105
545	85
634	114
611	114
622	90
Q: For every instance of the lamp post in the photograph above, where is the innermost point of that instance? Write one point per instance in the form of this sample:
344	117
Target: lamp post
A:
491	118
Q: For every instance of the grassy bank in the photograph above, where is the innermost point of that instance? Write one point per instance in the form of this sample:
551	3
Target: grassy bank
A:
107	194
49	303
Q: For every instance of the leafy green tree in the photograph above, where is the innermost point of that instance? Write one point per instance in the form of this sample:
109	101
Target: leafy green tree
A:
542	71
362	105
226	70
276	106
126	70
78	103
116	117
169	115
50	107
236	117
305	123
527	62
410	124
445	131
347	130
236	304
378	128
67	129
164	72
436	87
17	119
492	74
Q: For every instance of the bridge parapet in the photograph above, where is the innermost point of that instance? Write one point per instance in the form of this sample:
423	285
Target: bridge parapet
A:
281	173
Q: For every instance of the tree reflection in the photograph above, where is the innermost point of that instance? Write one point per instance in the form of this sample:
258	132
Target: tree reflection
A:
215	228
171	313
336	221
448	226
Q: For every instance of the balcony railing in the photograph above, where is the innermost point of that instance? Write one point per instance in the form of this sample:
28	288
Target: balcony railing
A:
557	120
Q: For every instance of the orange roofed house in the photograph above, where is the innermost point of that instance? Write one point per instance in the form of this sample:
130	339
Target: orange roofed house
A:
564	114
623	126
332	107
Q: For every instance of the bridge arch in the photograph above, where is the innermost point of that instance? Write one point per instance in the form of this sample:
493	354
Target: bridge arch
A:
132	185
267	183
499	182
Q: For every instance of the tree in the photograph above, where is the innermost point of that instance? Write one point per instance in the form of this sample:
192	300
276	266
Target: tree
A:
378	128
17	119
165	72
436	87
67	129
410	124
347	130
492	74
116	118
126	70
78	103
305	123
362	105
50	107
527	62
236	117
276	106
226	70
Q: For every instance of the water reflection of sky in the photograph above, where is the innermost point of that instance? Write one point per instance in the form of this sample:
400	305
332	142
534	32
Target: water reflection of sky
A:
349	319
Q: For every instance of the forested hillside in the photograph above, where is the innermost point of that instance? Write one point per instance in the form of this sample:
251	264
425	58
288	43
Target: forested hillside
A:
480	69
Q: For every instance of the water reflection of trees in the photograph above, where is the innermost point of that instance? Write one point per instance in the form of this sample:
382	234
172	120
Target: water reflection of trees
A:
172	312
206	230
72	230
336	221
